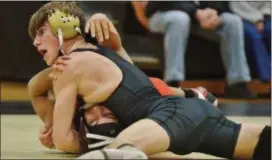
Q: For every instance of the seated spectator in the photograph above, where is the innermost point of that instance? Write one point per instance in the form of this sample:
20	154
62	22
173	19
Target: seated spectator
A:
174	18
257	27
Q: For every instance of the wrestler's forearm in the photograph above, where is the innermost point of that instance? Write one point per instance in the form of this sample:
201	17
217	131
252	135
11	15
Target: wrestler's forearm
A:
64	136
40	83
74	143
177	91
123	53
44	109
38	88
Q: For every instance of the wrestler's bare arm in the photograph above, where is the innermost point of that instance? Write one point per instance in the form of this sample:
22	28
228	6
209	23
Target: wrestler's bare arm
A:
177	91
75	79
37	88
123	53
64	137
104	30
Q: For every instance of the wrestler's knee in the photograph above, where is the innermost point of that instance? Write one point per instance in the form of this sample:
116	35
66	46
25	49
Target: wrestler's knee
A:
31	87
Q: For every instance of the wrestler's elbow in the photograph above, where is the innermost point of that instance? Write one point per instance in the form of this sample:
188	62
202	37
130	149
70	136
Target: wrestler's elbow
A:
65	144
31	87
34	90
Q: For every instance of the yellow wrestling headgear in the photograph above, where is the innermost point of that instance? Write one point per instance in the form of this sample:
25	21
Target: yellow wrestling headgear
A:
67	24
65	19
64	25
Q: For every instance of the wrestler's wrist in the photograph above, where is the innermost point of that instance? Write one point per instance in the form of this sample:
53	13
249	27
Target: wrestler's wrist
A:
120	49
48	123
189	93
48	127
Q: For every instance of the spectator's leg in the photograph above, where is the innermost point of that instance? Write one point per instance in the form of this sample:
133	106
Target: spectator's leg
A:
257	51
267	34
234	58
175	26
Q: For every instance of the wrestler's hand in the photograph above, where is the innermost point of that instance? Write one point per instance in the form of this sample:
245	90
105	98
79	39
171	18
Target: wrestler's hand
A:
45	137
202	93
59	66
105	32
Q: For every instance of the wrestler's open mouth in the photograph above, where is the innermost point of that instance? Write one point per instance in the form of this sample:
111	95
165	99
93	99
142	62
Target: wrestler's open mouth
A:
43	52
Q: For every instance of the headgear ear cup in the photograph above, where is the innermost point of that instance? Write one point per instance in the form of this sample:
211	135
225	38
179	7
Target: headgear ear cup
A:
65	24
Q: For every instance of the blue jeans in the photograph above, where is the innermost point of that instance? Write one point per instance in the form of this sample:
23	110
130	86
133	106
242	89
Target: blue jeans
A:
258	48
267	34
175	25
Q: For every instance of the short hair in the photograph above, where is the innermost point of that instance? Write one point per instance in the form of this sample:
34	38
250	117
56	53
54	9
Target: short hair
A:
41	15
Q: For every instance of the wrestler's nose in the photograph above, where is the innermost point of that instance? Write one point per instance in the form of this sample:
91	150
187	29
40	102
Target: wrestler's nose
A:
36	41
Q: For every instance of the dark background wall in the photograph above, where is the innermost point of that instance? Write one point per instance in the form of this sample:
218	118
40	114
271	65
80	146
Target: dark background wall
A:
19	60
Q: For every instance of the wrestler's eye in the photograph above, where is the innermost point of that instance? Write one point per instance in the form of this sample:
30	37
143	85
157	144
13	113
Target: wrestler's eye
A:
92	123
43	52
90	120
40	32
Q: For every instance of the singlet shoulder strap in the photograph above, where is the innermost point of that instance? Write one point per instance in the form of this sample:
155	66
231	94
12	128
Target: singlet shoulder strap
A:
85	49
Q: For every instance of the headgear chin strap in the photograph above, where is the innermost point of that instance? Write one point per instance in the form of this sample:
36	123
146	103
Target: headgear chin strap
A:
104	140
64	25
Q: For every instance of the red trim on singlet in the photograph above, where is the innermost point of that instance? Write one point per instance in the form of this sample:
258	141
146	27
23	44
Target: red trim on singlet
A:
161	86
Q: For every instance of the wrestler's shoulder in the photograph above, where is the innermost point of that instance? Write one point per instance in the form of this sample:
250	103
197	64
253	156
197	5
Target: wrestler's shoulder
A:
80	62
81	56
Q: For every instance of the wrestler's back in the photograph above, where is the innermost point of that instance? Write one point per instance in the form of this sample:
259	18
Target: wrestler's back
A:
104	77
96	76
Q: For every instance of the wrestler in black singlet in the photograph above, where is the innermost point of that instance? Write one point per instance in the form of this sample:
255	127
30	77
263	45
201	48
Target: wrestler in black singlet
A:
193	125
